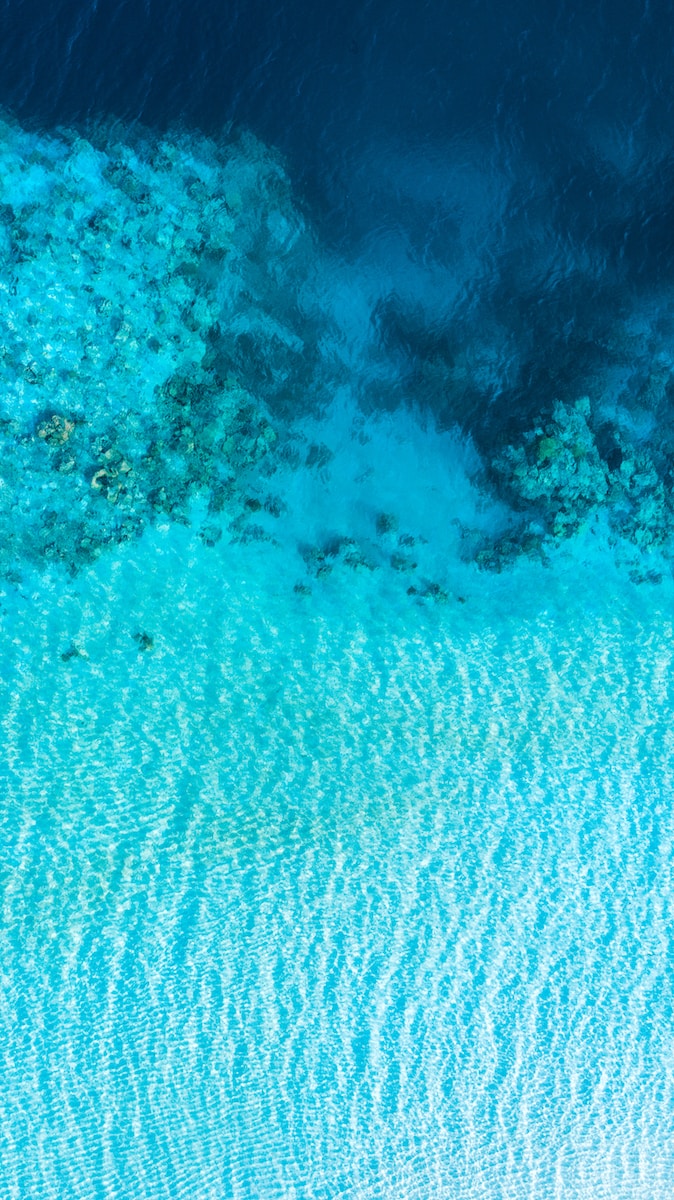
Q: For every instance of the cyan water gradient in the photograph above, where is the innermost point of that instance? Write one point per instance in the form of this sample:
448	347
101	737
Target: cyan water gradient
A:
333	896
335	687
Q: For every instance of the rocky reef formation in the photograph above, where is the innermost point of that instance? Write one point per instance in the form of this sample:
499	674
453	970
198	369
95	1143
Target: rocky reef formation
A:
563	476
164	335
163	338
146	307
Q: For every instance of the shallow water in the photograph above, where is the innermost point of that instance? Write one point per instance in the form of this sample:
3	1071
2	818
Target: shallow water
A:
335	897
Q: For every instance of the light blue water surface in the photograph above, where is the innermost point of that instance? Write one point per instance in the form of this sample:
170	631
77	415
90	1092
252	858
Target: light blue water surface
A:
335	895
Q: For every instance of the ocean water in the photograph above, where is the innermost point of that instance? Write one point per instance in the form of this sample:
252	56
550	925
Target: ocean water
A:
336	603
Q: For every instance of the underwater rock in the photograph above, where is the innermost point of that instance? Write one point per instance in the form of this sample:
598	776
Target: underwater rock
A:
317	561
318	455
275	506
433	591
565	473
641	575
386	523
73	651
336	551
496	554
358	560
210	534
220	494
55	430
556	470
403	563
429	591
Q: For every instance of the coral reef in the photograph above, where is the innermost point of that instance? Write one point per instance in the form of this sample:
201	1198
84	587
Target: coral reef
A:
563	474
163	335
144	336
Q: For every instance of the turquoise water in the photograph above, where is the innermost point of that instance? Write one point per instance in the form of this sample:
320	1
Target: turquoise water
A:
332	865
320	903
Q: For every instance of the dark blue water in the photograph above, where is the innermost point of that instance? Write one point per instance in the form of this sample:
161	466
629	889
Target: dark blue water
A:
375	105
378	110
303	72
324	83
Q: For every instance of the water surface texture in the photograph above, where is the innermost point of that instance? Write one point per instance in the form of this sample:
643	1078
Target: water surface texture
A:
336	602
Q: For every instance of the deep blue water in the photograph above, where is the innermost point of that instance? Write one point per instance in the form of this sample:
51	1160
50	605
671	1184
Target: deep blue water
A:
376	107
325	84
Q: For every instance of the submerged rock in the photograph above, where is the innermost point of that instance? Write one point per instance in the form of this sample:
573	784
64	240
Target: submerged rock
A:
55	430
564	474
73	651
557	469
386	523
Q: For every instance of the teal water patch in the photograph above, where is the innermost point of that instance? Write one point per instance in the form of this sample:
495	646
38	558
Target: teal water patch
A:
332	863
